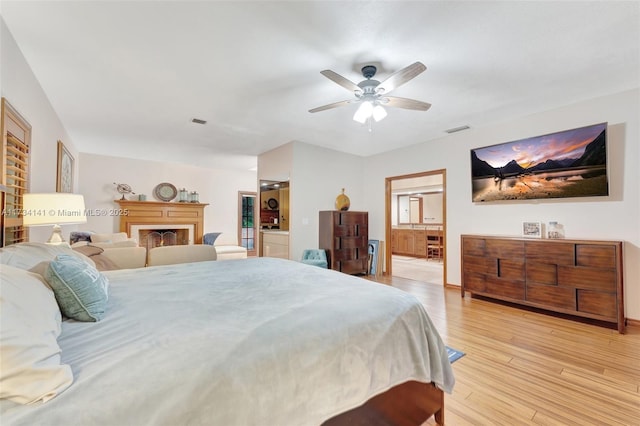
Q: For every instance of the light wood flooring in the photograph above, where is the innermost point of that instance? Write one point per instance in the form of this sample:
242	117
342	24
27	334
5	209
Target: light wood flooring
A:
419	269
527	368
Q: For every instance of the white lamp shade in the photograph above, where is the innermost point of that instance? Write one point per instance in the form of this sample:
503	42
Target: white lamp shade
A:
379	113
53	209
363	112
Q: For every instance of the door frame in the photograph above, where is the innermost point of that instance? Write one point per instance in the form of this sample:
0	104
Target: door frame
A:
387	217
256	219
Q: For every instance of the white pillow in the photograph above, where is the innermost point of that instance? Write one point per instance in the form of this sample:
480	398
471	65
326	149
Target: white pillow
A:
30	256
109	238
30	322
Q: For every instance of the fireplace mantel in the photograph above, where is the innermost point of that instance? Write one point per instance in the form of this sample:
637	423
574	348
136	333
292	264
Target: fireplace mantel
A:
161	213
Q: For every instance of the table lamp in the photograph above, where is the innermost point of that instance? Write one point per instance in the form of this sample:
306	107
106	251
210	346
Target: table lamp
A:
55	209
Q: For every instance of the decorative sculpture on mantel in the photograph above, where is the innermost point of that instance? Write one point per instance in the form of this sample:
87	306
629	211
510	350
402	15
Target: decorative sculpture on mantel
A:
123	189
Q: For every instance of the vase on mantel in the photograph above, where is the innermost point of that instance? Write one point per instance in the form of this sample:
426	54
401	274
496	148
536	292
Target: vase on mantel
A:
342	202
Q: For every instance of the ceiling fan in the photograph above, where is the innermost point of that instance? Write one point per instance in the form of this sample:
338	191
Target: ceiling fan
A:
372	94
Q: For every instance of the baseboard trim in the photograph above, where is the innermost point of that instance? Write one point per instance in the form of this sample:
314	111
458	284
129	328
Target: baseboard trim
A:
633	322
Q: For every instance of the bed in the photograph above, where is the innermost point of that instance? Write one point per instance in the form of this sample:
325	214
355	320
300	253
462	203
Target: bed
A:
258	341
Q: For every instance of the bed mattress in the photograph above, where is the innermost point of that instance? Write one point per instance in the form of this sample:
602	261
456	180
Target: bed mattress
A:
258	341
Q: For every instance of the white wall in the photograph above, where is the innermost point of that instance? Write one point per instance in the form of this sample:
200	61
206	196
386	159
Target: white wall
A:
217	187
276	164
318	176
432	208
616	217
21	88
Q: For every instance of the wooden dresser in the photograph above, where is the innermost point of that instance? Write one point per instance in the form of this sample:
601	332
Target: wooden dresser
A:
576	277
345	237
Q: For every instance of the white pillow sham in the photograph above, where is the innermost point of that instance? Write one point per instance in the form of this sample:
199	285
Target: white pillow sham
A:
30	256
30	323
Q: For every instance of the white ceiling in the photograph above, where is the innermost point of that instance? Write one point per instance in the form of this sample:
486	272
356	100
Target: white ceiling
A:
126	78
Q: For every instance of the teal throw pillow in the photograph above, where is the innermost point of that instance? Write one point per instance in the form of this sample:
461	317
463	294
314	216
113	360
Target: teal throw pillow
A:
80	289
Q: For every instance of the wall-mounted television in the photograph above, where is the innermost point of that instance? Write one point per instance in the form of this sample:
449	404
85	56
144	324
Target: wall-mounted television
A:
570	163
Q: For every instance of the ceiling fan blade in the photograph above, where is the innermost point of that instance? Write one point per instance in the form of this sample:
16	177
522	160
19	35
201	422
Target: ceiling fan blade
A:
405	103
337	78
330	106
401	77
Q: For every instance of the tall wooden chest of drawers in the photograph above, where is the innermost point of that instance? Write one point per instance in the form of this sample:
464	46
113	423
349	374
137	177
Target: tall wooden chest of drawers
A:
576	277
345	237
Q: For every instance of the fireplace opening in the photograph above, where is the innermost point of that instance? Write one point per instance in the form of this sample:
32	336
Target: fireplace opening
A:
151	238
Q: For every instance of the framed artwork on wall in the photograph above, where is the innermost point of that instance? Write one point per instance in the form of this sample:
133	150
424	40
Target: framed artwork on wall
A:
64	181
532	229
569	163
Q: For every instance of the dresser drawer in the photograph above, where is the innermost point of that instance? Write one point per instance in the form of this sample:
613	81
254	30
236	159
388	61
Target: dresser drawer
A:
560	297
474	247
505	288
353	266
353	218
596	256
597	302
542	273
587	278
511	269
504	249
552	253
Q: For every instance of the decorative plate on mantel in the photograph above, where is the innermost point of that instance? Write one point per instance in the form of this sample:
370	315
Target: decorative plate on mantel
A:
165	191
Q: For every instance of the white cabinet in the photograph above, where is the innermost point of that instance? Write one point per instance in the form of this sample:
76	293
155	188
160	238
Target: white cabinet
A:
275	244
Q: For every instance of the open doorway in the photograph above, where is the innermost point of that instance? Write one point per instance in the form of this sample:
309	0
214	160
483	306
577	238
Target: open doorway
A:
415	226
247	223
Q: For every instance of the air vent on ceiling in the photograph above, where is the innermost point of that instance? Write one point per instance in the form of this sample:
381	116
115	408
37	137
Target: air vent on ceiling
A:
457	129
198	121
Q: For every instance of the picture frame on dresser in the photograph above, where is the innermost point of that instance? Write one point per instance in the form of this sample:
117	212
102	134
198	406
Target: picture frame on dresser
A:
532	229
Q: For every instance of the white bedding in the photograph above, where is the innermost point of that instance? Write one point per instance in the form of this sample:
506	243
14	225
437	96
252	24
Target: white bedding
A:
260	341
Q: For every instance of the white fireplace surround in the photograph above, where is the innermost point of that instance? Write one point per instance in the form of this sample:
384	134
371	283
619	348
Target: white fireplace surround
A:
135	229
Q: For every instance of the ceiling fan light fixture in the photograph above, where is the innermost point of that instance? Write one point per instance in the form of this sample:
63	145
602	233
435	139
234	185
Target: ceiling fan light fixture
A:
372	94
364	112
379	113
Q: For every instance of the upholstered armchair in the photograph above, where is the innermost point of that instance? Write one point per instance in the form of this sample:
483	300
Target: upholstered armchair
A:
315	257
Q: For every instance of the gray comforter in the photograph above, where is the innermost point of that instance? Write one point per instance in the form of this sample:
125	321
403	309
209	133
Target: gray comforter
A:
259	341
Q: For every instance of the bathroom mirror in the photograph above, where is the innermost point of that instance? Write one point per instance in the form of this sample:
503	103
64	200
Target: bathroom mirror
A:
409	209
